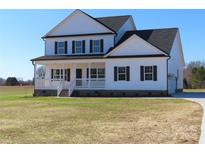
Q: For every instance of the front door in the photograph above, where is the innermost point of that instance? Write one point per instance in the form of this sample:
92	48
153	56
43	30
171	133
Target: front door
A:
79	77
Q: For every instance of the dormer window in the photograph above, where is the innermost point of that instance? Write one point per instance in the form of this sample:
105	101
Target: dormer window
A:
96	46
78	47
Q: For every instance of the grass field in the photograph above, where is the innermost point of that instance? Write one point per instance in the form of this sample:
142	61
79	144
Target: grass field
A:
25	119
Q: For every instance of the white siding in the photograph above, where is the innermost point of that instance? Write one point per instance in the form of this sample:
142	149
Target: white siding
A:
78	23
135	83
134	63
50	43
128	26
176	62
135	46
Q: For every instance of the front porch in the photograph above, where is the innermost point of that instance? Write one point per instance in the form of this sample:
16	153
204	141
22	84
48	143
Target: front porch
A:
68	77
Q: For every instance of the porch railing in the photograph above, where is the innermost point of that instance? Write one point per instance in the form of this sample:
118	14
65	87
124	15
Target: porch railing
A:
41	83
71	87
60	87
90	83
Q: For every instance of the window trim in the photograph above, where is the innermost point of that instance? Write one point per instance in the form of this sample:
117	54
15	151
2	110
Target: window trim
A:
152	73
58	48
125	73
81	47
93	46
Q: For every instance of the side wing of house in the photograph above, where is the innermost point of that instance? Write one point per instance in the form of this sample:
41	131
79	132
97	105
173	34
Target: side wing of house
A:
176	62
142	74
140	58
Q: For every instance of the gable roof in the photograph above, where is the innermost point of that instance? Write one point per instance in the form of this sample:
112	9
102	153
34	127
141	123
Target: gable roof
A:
114	22
161	38
47	35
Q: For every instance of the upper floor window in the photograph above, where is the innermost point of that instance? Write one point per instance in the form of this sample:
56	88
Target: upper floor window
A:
61	47
78	47
96	46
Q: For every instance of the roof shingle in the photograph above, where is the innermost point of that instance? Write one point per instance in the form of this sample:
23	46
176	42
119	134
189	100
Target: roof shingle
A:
114	22
161	38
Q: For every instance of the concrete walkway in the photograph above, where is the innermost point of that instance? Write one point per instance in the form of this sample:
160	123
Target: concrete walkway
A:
198	97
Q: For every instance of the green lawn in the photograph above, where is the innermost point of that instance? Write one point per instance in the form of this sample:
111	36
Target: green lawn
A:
26	119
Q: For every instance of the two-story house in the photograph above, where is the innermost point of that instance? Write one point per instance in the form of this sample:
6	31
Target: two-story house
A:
108	56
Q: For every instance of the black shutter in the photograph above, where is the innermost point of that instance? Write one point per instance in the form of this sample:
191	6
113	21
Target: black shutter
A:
142	73
73	46
155	72
128	73
51	73
65	47
68	74
87	73
83	46
56	47
101	45
115	73
91	46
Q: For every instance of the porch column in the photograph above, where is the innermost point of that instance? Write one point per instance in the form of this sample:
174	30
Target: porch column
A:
34	80
89	74
48	76
63	72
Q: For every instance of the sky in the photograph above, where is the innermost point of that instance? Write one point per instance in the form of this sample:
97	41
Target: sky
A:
21	32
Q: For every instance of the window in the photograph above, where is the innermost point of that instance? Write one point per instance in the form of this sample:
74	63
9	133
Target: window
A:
121	73
57	74
78	47
96	46
60	47
148	73
97	73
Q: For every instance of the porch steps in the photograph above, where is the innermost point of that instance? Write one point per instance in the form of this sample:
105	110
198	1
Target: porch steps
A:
64	93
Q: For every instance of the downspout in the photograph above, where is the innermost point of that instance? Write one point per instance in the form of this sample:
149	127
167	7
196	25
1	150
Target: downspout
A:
167	74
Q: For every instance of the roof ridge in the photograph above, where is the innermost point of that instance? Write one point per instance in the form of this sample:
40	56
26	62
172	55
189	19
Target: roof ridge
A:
158	28
113	16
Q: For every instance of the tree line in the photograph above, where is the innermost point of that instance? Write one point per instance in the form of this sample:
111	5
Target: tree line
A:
13	81
194	75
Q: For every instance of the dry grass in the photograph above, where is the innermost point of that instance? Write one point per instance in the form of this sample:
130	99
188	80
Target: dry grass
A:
95	120
194	90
